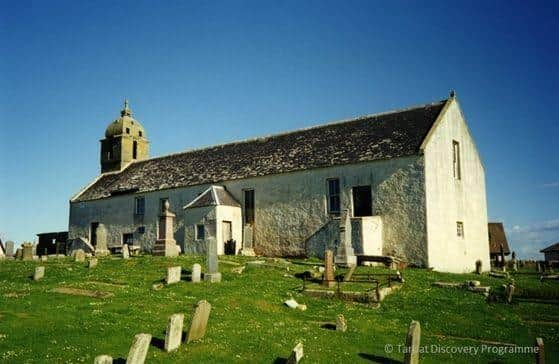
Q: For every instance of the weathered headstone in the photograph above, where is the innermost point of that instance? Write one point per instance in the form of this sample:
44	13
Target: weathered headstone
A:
173	336
173	275
165	244
92	263
196	273
27	251
199	321
79	255
10	248
345	256
341	324
139	349
101	245
509	291
247	249
479	266
213	274
540	352
103	359
44	258
125	251
296	354
328	278
39	273
413	339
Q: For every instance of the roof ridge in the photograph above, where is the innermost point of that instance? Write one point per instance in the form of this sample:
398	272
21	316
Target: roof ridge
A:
262	138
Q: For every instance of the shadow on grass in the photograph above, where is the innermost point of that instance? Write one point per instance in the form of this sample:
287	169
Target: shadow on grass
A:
379	359
186	275
119	361
280	361
328	327
158	343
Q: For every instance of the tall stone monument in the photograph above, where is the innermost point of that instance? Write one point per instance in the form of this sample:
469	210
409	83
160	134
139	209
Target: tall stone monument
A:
345	255
166	245
212	274
27	251
101	247
247	248
328	278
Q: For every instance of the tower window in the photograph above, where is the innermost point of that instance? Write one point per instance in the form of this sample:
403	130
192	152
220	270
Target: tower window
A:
134	150
127	130
140	133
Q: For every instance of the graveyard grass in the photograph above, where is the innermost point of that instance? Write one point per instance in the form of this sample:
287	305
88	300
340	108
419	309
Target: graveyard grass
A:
248	321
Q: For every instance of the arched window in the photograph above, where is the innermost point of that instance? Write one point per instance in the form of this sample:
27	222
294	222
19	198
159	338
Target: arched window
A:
134	150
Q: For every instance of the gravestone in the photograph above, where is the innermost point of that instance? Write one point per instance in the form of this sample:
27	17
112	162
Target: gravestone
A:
539	267
165	244
34	249
139	349
247	248
125	251
103	359
196	273
413	339
509	291
502	255
92	263
328	279
540	352
101	245
199	321
10	248
39	273
341	324
345	256
173	275
478	267
44	258
27	251
173	336
79	255
212	275
296	354
19	253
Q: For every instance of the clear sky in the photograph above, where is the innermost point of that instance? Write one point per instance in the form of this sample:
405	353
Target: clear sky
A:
199	73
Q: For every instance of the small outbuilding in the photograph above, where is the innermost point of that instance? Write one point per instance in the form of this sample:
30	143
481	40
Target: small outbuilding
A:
551	253
497	241
214	214
52	243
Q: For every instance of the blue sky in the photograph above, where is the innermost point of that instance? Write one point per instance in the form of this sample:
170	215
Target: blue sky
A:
199	73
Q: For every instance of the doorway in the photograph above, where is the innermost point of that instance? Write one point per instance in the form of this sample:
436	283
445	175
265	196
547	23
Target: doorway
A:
93	233
227	236
362	201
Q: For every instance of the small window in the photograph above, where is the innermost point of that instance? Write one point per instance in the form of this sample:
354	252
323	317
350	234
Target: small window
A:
127	130
334	195
134	150
456	168
200	232
460	229
140	133
128	239
140	205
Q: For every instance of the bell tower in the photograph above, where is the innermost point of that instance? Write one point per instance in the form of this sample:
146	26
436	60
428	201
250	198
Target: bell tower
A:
125	141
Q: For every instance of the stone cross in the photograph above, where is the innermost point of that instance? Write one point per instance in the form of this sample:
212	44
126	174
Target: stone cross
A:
296	354
125	251
540	352
39	273
173	275
213	274
345	255
139	349
341	324
413	339
173	335
196	273
10	248
101	246
328	279
79	255
27	251
478	267
199	321
103	359
92	263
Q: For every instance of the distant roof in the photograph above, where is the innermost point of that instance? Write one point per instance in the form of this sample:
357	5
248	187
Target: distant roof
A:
497	237
363	139
551	248
213	196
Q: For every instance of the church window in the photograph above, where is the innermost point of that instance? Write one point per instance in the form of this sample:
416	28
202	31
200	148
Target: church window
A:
460	229
140	133
200	232
334	195
140	205
134	150
456	160
249	206
127	130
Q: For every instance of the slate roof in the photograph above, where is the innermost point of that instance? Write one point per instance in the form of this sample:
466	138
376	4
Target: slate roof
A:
551	248
497	237
363	139
213	196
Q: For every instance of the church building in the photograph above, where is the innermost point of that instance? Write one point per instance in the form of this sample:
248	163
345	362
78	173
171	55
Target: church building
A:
411	180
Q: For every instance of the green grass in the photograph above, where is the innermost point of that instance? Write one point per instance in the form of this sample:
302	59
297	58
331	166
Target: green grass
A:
249	322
